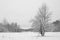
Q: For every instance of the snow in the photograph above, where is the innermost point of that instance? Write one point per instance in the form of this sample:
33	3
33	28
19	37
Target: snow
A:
30	36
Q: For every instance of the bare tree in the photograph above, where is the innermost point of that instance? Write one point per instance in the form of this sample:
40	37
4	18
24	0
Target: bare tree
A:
42	19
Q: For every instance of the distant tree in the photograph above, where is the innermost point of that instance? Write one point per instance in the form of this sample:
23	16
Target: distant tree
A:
2	28
9	27
5	21
13	27
41	21
16	27
57	24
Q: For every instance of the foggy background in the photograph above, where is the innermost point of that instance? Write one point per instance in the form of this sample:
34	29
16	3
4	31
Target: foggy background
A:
22	11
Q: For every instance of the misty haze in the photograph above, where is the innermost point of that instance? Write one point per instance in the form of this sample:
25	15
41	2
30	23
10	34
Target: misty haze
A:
30	19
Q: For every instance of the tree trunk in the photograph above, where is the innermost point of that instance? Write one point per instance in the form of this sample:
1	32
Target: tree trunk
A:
42	31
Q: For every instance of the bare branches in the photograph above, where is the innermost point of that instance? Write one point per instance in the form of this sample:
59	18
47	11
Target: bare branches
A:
42	19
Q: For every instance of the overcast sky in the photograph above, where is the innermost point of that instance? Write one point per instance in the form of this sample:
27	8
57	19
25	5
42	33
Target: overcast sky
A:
22	11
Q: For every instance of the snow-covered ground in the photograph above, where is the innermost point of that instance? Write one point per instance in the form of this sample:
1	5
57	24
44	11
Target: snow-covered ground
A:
30	36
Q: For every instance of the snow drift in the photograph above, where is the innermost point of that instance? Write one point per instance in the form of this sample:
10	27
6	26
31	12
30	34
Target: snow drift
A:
30	36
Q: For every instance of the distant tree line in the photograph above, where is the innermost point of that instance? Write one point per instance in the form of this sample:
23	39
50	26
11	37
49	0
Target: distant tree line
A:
7	27
14	27
57	25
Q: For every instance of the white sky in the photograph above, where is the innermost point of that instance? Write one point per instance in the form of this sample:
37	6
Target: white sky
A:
22	11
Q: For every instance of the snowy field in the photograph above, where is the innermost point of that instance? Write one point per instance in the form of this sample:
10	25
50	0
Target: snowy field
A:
30	36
